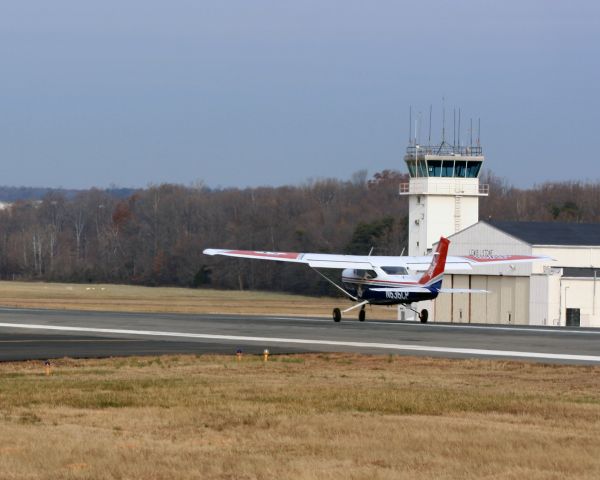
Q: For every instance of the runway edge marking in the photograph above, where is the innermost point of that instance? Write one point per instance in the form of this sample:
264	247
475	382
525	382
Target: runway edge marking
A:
302	341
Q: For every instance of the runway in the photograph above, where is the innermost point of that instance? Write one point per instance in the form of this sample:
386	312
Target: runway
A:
40	334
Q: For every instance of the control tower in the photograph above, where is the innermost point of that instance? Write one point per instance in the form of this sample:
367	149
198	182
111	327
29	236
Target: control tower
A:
443	192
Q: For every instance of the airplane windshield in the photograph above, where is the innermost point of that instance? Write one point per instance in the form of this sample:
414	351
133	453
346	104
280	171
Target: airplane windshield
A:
395	270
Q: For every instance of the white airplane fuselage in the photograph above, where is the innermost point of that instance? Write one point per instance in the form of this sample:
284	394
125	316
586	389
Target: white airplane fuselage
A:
363	284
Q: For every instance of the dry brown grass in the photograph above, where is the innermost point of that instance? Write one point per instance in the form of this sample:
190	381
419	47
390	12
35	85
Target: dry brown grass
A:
127	298
322	416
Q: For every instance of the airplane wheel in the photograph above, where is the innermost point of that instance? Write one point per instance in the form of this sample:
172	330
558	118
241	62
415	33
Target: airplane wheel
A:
337	315
424	315
362	315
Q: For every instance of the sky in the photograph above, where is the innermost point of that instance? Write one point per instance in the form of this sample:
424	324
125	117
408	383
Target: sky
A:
237	93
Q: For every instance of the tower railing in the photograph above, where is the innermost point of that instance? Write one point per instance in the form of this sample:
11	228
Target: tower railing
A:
444	150
446	188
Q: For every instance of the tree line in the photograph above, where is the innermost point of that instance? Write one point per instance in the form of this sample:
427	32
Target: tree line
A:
156	235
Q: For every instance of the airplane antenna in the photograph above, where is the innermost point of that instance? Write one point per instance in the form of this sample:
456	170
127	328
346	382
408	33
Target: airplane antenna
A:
429	138
402	252
371	251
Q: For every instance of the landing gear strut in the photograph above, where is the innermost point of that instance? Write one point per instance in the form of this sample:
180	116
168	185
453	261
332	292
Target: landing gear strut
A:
337	314
424	315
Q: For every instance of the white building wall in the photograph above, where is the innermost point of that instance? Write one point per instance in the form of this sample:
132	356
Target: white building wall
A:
579	293
544	303
440	207
567	256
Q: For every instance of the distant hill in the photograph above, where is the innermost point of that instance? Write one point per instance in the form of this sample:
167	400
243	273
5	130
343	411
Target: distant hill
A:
13	194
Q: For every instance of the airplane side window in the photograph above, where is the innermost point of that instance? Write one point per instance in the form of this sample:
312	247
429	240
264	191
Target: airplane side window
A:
365	273
395	270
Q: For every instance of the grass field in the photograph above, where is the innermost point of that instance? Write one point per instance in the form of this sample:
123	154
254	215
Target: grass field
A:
127	298
321	416
337	416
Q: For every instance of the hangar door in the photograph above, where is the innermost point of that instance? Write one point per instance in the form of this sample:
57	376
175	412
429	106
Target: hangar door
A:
507	301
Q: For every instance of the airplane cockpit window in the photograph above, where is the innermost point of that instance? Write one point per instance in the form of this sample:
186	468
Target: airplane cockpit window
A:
365	273
395	270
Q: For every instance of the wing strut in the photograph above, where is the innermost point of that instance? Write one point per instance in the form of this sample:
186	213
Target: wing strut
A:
336	285
361	304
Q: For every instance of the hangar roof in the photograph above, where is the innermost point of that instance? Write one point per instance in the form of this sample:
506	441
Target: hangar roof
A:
551	233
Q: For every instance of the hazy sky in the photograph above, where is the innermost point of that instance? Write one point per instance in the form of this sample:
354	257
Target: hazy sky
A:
253	92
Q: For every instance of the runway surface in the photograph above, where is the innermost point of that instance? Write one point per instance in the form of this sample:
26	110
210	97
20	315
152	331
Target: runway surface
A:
40	334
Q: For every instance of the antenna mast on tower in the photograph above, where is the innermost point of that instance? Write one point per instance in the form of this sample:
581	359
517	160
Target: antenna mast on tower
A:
429	138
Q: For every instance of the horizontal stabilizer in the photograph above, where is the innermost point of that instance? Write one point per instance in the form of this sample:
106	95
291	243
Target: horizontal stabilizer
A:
403	289
461	290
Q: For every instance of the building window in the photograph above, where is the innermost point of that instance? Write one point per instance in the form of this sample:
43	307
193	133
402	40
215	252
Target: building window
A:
447	168
473	169
460	169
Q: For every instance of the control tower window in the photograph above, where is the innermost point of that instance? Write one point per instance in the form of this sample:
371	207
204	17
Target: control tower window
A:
434	168
422	166
473	169
448	168
411	167
460	168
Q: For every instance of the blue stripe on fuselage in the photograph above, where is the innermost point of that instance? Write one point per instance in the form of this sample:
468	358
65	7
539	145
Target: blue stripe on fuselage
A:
396	297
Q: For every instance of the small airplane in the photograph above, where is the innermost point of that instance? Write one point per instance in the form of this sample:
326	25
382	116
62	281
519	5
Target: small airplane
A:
382	280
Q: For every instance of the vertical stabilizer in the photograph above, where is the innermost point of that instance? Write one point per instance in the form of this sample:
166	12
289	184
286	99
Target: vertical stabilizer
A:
435	272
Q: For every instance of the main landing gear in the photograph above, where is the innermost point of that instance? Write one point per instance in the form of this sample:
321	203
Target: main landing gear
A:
423	315
362	314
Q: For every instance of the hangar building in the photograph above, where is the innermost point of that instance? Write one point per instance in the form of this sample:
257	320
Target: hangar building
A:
444	193
560	292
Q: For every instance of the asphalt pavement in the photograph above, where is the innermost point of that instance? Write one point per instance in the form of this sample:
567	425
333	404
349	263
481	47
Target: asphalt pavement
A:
40	334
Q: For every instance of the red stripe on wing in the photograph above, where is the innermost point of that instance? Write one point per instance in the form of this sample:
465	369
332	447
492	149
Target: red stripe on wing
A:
495	258
286	255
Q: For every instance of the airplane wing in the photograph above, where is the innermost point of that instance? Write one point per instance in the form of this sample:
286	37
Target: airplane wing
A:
325	260
315	260
470	261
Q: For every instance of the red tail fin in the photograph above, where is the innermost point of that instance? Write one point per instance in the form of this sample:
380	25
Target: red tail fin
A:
438	264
